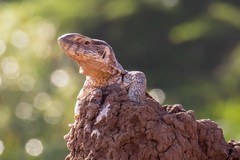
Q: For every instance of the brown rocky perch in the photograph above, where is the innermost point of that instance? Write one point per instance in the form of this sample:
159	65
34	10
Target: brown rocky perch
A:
118	129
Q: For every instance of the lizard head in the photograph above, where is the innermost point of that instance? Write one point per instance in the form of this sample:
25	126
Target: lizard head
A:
95	57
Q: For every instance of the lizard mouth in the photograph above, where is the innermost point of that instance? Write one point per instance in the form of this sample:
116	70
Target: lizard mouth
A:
70	45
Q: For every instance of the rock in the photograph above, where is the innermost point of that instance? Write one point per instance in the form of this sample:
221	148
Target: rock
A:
118	129
234	153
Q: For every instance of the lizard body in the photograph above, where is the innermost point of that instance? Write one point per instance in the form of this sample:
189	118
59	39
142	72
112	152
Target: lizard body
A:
98	62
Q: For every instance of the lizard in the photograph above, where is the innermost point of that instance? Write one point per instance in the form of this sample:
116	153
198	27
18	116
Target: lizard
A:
97	61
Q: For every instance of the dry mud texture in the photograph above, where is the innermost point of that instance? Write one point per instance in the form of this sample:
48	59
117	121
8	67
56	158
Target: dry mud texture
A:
110	127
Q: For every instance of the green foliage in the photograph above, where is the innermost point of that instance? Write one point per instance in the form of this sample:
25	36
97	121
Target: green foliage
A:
189	49
226	114
189	31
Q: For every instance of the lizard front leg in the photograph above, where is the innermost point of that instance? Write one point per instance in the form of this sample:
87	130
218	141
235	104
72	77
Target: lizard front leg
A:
135	82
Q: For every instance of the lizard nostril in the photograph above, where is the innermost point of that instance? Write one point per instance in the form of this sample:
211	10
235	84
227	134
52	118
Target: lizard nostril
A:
78	39
87	43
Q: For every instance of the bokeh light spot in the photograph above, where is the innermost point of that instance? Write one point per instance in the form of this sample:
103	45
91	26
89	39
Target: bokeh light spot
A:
60	78
10	67
1	147
52	115
41	101
46	31
159	4
34	147
2	47
158	95
26	83
24	110
20	39
169	3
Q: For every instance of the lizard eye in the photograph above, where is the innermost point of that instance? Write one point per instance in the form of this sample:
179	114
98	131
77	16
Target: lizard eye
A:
87	43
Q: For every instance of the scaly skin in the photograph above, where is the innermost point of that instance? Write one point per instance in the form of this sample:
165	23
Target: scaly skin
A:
97	61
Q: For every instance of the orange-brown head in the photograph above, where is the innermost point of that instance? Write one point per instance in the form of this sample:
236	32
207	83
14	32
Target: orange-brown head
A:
95	57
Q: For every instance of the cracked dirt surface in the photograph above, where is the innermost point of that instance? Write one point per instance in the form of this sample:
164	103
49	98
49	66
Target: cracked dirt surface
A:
110	127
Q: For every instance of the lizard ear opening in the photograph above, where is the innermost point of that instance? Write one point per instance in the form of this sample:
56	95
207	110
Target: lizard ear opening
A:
104	55
107	54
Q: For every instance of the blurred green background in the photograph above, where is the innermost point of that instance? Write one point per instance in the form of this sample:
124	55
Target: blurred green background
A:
188	49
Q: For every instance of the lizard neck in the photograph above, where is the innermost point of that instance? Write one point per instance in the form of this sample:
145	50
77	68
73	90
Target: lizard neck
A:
103	81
